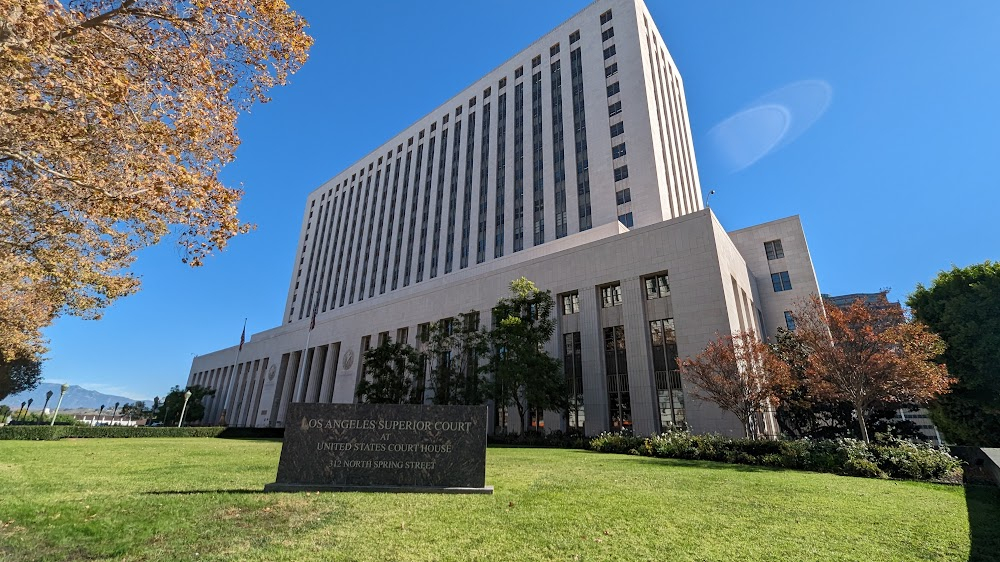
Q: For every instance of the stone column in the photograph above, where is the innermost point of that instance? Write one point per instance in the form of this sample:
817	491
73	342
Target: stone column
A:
641	384
329	373
315	374
595	393
288	389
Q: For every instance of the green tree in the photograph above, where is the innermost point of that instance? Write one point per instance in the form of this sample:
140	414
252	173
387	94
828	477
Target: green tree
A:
135	410
454	349
393	375
18	375
963	307
524	375
195	409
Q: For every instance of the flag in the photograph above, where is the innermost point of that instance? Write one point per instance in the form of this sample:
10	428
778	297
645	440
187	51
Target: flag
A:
243	337
312	323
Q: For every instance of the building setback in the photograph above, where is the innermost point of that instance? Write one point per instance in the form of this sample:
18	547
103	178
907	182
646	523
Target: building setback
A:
570	164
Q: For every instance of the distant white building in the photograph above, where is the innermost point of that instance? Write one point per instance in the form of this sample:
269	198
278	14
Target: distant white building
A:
570	164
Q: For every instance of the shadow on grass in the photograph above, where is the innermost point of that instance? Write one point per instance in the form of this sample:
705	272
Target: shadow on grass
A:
983	504
199	492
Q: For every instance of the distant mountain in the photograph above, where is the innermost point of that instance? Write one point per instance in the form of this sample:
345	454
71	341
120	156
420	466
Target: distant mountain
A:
76	397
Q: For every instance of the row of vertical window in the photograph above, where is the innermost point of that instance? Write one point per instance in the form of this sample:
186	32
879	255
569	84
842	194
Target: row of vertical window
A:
656	286
345	229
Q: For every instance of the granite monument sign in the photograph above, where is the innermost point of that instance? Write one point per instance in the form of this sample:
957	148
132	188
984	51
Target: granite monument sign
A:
383	447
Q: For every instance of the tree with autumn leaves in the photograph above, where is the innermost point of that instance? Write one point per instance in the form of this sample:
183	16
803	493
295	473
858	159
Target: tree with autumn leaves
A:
866	355
116	118
741	375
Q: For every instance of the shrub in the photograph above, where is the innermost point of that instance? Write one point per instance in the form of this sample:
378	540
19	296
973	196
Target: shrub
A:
890	459
555	439
621	443
51	433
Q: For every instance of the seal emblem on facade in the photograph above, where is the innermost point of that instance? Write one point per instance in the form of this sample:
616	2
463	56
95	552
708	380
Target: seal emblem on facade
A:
348	359
272	371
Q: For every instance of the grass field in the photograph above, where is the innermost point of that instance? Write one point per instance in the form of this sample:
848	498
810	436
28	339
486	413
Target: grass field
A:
201	499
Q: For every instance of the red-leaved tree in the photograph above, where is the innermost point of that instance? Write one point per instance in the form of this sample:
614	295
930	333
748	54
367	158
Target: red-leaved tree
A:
868	354
741	375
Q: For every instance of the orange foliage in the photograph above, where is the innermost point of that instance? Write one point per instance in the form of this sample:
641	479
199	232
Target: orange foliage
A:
116	119
741	375
868	354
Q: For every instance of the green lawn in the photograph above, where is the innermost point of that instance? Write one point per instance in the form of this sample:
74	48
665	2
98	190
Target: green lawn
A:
201	499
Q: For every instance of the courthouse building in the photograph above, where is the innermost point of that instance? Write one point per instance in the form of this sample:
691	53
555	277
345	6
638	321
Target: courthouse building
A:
571	164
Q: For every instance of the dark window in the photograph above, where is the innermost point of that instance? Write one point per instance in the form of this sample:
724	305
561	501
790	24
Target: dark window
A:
574	37
458	111
472	101
573	365
580	138
605	17
519	72
518	241
558	149
501	174
789	320
487	92
669	394
609	52
781	282
623	196
537	178
571	303
626	219
616	365
611	70
657	286
536	61
554	50
774	250
502	83
611	295
614	109
618	150
617	129
621	173
607	34
613	89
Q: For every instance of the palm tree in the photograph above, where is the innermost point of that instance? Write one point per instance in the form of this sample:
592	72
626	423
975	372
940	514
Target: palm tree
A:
20	411
115	411
48	396
30	400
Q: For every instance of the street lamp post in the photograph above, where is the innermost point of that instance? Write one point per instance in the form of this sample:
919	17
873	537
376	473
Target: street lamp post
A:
62	392
187	396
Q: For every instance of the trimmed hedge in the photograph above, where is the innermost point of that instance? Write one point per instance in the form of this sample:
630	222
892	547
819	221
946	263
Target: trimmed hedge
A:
556	439
53	433
893	458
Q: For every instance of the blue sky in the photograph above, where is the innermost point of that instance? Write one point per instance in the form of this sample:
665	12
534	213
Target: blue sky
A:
895	178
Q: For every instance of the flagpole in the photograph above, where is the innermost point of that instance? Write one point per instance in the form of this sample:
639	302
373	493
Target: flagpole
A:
236	363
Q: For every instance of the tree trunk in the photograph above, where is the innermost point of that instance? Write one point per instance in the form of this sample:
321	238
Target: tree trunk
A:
861	423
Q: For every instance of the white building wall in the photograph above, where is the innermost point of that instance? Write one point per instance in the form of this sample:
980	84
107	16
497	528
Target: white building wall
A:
797	262
349	247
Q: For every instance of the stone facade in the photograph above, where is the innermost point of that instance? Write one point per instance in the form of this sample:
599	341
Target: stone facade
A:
579	174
